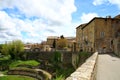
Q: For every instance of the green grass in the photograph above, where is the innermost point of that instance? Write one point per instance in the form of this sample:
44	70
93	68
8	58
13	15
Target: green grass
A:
16	77
19	62
5	58
61	77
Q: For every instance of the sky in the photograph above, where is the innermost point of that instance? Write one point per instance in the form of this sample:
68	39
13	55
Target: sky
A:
34	20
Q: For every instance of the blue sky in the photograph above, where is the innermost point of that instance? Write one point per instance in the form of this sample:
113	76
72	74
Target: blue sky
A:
34	20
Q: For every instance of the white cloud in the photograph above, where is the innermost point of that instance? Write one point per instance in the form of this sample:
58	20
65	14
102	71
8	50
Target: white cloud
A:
52	18
87	17
53	10
116	2
99	2
8	27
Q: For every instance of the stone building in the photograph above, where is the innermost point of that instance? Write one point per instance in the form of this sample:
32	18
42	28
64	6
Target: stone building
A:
70	42
51	39
99	34
32	47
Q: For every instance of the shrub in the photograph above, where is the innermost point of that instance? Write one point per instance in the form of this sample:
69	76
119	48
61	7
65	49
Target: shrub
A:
15	77
19	62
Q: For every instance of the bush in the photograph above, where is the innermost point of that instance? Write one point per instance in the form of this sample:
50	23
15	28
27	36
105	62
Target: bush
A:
5	58
81	58
13	49
61	77
19	62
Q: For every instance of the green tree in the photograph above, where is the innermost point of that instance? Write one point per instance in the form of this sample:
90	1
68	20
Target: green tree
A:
54	43
1	47
13	49
5	49
62	37
62	43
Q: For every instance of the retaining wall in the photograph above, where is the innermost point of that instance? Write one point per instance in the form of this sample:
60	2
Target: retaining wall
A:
66	57
86	71
38	74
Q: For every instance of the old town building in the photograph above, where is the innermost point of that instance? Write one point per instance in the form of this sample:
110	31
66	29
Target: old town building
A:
51	39
99	34
69	42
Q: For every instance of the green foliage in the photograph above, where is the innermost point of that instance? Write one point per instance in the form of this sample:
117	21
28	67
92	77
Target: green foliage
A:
5	61
5	58
16	77
13	49
5	49
61	77
62	73
65	72
82	56
1	47
19	62
56	59
62	37
54	43
62	43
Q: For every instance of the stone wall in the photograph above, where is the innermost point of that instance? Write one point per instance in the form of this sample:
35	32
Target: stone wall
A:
38	74
66	57
25	73
86	71
117	46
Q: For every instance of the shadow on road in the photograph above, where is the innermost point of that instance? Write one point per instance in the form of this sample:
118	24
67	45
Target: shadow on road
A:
111	54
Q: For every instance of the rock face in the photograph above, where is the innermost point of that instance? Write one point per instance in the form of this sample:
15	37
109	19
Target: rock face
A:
87	71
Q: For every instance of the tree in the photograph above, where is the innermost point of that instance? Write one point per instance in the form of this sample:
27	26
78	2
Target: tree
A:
62	37
13	49
4	49
1	47
54	43
62	43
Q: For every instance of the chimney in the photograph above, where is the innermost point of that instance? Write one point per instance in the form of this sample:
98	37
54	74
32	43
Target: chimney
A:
108	16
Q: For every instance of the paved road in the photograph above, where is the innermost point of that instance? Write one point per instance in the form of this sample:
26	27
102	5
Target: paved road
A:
108	67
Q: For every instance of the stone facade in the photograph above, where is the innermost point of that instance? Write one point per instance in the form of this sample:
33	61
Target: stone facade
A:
70	42
117	46
51	39
98	34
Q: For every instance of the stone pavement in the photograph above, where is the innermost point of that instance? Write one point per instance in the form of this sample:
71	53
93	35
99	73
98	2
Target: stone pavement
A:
108	67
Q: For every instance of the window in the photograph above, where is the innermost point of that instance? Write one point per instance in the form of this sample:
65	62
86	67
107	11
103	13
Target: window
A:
102	34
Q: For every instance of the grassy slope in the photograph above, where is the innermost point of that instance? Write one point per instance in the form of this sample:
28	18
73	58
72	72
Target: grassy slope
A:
19	62
5	58
16	77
